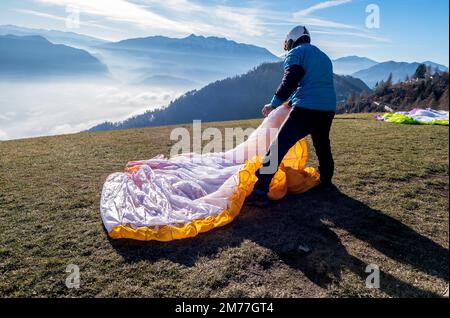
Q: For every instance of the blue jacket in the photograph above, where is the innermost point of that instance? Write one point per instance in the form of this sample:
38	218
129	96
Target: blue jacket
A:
308	80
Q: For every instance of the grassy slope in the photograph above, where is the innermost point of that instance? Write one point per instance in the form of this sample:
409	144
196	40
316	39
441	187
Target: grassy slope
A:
392	210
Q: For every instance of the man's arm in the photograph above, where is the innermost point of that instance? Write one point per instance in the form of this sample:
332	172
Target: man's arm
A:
292	77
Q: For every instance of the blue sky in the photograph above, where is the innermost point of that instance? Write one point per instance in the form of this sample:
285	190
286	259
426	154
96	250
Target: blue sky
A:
409	30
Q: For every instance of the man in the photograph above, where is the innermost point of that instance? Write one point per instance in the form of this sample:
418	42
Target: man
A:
308	88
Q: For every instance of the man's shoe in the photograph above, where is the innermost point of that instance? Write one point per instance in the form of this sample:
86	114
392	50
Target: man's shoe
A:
258	198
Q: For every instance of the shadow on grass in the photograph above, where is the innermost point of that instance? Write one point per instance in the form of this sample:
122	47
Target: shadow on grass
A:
311	219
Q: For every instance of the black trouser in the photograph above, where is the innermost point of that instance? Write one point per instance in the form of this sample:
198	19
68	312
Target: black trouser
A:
300	123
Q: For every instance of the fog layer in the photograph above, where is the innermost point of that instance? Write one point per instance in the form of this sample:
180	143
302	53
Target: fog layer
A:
30	109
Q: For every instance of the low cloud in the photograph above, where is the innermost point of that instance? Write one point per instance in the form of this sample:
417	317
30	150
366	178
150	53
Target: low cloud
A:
59	108
320	6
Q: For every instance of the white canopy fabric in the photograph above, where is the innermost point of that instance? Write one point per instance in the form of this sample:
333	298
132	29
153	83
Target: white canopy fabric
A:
174	198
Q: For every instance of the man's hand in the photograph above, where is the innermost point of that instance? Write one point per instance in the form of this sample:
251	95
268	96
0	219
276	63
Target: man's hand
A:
267	109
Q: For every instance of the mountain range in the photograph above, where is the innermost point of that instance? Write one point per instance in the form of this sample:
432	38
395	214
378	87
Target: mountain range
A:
34	56
156	61
56	37
195	61
203	46
372	72
239	97
348	65
400	70
193	58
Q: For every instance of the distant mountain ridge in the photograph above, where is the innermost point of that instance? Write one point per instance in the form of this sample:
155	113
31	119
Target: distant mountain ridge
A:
191	62
31	56
56	37
196	58
193	44
400	70
200	59
371	71
239	97
350	64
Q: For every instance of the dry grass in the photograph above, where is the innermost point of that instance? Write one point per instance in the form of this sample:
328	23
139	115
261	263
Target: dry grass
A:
391	210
